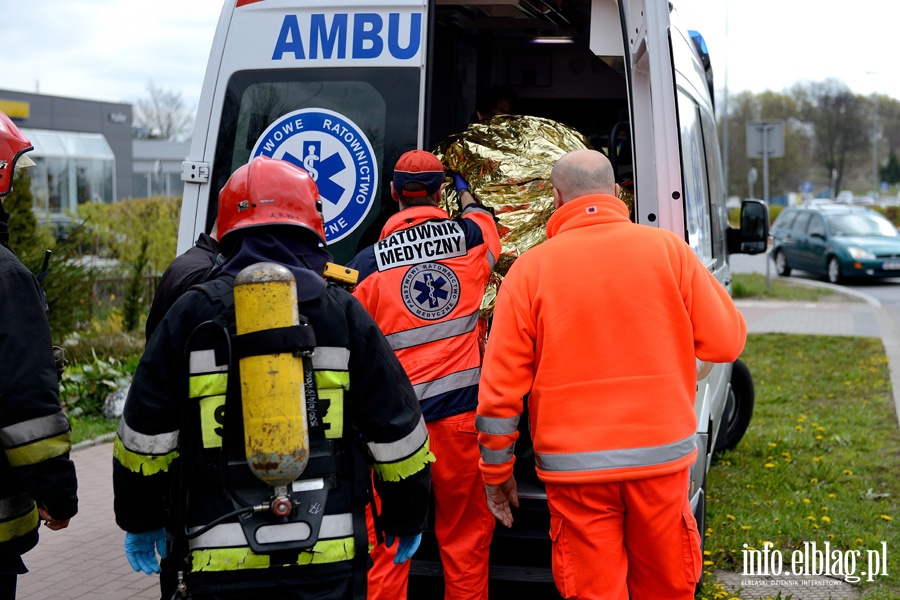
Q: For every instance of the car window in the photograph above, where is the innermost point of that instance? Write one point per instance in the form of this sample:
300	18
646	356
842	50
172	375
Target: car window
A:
785	219
800	223
816	225
861	224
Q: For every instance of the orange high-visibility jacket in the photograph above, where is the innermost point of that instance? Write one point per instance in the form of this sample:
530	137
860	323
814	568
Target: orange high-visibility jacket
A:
423	282
601	324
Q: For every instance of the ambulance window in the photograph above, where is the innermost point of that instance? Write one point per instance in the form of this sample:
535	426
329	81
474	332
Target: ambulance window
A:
696	193
363	107
718	210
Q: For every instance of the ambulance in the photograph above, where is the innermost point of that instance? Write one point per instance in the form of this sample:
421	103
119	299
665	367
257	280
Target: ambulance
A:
343	87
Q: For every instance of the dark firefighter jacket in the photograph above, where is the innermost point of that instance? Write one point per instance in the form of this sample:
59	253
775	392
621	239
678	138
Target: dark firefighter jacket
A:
174	419
186	270
34	432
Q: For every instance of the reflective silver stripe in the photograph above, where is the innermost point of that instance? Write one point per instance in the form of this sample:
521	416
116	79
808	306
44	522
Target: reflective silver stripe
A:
492	260
454	381
331	358
616	459
204	361
33	429
15	505
403	448
142	443
496	457
231	535
432	333
496	426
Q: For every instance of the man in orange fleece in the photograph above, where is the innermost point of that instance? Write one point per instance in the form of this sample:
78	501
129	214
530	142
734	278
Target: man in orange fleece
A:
600	326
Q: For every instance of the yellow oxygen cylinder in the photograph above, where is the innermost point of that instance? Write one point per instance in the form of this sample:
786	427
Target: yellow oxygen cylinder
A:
276	432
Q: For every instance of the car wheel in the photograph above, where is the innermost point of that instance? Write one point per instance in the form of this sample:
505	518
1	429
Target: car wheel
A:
738	408
834	270
781	264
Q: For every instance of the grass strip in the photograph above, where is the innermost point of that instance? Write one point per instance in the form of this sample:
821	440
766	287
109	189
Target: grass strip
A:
88	428
753	286
820	461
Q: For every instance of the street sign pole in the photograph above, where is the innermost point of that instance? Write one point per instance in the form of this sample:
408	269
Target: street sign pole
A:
765	139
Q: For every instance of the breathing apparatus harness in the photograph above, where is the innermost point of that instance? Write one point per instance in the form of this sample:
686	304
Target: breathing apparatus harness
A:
266	489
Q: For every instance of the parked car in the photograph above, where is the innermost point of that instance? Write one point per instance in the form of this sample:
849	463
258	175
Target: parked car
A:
838	241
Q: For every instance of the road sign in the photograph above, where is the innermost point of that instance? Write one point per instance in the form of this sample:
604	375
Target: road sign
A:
765	139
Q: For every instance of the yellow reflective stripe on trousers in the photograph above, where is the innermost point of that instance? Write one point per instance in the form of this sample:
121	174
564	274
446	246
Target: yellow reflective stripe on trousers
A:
144	464
407	467
20	526
31	454
237	559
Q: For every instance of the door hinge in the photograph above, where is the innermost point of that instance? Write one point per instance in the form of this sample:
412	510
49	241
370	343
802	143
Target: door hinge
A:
195	172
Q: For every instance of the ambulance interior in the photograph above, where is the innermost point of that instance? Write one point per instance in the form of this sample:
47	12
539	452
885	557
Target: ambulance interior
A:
540	50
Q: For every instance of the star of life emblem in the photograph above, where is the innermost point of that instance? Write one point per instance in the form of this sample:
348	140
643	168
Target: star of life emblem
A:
338	156
430	290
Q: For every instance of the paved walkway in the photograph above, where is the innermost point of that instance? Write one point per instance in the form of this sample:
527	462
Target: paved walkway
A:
87	559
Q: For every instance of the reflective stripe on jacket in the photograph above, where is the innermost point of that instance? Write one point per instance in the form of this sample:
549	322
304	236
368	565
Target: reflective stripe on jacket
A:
423	282
35	469
600	326
175	415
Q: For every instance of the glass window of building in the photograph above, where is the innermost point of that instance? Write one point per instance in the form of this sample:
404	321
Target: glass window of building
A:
71	168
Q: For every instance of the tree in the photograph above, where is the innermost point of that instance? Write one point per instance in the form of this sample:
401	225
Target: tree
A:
838	118
163	114
786	173
68	285
891	171
119	228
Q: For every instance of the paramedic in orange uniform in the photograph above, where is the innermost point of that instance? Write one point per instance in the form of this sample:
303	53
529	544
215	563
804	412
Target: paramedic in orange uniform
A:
423	282
601	325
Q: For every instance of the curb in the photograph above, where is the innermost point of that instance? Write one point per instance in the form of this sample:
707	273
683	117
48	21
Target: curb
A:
103	439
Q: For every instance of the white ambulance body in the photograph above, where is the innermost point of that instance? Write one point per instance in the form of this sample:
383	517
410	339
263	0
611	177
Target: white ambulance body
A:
343	88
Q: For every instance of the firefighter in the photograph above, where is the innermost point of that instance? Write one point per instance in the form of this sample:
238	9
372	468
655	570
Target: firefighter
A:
423	282
600	326
185	454
185	270
37	479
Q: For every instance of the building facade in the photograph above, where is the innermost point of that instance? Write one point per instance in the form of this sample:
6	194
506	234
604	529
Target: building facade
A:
85	151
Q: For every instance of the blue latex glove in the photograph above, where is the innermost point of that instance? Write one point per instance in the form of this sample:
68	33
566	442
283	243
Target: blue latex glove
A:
405	548
460	182
141	549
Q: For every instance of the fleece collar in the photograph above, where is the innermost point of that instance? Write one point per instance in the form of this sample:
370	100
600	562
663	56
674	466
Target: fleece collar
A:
588	210
412	215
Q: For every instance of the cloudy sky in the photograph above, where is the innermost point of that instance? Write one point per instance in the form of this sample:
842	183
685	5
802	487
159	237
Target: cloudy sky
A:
111	49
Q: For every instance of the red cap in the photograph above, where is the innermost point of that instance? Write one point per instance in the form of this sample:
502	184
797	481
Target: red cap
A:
419	170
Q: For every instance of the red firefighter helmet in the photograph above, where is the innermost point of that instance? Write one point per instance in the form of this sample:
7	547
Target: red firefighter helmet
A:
268	191
13	146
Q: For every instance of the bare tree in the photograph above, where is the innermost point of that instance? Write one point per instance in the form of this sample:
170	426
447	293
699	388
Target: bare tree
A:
163	114
839	119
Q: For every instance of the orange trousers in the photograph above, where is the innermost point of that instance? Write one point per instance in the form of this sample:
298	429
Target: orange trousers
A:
463	524
632	539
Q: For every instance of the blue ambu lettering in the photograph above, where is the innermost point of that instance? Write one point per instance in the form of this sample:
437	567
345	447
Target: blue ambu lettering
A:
370	37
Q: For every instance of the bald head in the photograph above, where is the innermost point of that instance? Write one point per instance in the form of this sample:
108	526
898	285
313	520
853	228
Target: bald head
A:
580	173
